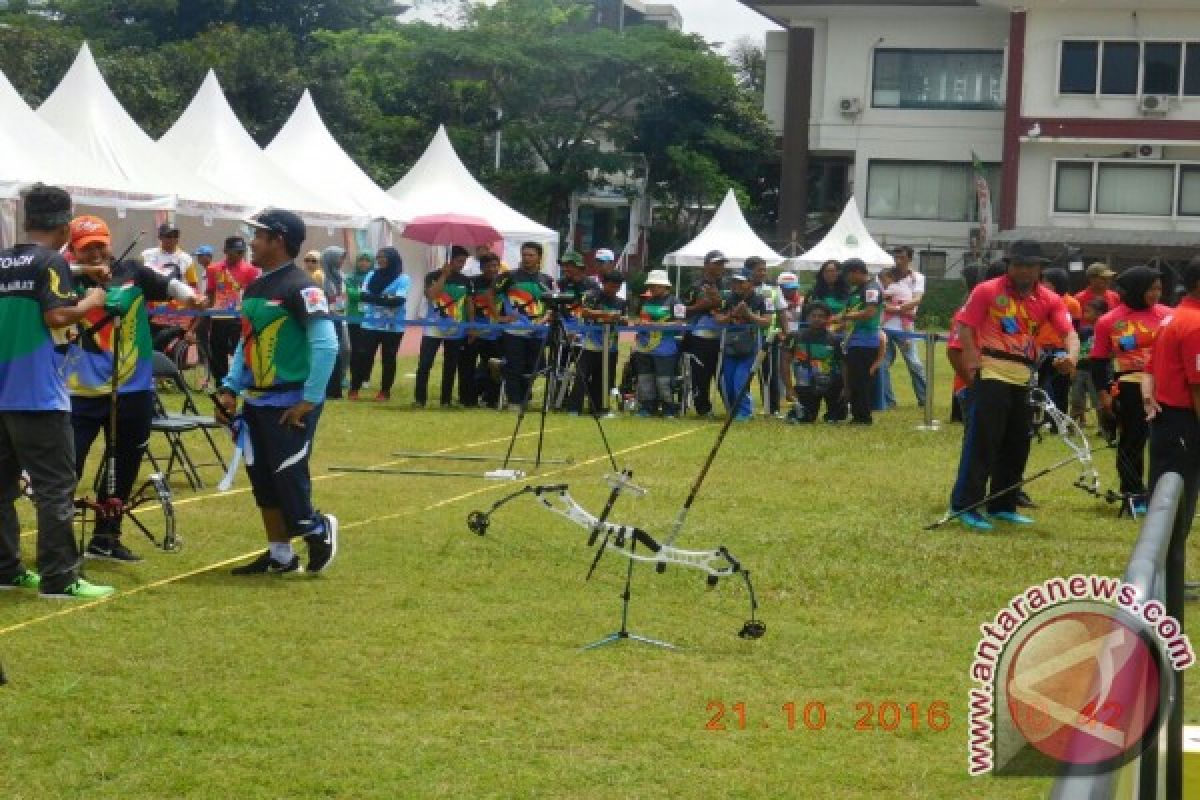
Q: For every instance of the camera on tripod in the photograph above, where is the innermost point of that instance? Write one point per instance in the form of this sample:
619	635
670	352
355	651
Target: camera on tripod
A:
559	300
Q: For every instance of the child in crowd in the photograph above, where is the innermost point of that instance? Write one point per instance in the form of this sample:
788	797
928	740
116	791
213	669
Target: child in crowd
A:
1083	388
815	356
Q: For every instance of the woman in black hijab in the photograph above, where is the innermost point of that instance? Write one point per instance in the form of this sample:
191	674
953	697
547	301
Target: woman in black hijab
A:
383	301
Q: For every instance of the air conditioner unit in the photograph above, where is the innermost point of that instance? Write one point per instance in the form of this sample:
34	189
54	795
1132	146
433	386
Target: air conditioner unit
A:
850	106
1154	105
1148	151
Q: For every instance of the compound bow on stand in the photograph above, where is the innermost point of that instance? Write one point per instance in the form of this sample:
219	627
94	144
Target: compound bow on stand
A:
623	539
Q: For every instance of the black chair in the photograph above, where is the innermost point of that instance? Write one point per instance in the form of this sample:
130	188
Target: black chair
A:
173	425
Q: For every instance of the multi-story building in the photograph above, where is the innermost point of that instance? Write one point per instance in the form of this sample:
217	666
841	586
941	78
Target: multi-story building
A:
1092	107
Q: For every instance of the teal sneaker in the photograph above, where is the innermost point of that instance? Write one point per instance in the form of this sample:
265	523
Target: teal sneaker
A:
26	580
1013	517
975	520
80	590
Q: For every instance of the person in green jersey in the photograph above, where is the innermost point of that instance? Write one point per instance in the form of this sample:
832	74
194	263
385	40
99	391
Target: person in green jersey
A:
656	353
860	322
447	292
813	356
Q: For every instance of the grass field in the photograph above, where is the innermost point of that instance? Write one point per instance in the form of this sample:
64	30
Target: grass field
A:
431	663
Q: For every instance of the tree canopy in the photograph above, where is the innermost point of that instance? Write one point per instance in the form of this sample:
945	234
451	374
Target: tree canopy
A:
570	101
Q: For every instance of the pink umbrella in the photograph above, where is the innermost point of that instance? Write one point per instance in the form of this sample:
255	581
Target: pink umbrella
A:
447	229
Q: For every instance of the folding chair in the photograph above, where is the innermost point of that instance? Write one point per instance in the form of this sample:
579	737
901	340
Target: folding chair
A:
173	425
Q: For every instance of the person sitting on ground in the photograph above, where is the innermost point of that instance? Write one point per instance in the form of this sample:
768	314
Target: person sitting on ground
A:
814	372
656	353
384	297
128	287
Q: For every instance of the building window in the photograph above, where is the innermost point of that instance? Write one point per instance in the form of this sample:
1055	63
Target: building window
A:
938	79
1189	191
927	190
1191	70
1162	62
1077	74
1135	189
1119	68
1073	188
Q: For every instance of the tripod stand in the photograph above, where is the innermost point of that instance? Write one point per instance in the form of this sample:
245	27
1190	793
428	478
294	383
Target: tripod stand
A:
624	632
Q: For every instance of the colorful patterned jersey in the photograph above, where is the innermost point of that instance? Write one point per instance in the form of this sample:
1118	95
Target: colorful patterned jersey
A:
276	310
451	304
521	292
815	354
90	359
33	280
865	332
597	300
663	309
1127	337
706	326
225	283
577	289
1006	323
484	306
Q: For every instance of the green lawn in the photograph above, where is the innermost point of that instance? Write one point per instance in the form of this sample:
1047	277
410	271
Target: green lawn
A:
431	663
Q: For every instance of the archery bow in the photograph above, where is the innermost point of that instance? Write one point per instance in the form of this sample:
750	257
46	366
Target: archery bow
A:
620	539
1071	435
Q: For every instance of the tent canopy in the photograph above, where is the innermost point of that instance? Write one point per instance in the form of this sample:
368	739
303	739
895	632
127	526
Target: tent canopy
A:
439	184
848	238
209	136
304	140
31	151
85	112
728	232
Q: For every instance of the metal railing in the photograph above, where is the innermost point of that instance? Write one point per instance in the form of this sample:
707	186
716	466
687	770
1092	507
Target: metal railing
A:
1156	569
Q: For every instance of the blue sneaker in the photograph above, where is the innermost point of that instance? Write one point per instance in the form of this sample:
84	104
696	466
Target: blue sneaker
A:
973	519
1012	516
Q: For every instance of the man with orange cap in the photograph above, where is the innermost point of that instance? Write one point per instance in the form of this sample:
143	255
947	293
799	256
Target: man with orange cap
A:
101	343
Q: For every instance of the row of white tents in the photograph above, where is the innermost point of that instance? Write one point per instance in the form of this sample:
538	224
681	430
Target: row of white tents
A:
207	174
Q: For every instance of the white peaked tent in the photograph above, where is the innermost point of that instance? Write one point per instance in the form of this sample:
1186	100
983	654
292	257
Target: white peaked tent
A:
848	238
85	112
32	151
304	141
209	137
728	232
439	184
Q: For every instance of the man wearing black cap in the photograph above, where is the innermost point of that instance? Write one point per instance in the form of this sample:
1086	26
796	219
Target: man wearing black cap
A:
282	366
227	279
861	319
997	329
36	299
703	342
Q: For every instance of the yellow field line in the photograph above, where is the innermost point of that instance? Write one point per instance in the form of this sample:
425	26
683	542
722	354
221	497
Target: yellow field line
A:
244	489
164	581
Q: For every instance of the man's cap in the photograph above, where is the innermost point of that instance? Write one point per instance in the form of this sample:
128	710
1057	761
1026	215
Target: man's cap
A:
458	251
47	206
714	255
742	274
285	223
605	255
1026	251
854	265
204	250
788	280
1100	270
613	276
167	229
571	257
235	243
899	249
658	277
87	230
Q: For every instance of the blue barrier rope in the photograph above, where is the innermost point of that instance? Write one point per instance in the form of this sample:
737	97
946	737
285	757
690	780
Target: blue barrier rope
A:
503	327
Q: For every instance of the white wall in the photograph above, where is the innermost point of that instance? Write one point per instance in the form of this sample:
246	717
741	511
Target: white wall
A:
1044	31
845	40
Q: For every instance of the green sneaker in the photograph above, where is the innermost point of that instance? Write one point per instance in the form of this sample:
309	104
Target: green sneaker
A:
80	590
26	580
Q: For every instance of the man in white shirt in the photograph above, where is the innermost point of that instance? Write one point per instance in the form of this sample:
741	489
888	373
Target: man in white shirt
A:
902	298
172	262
